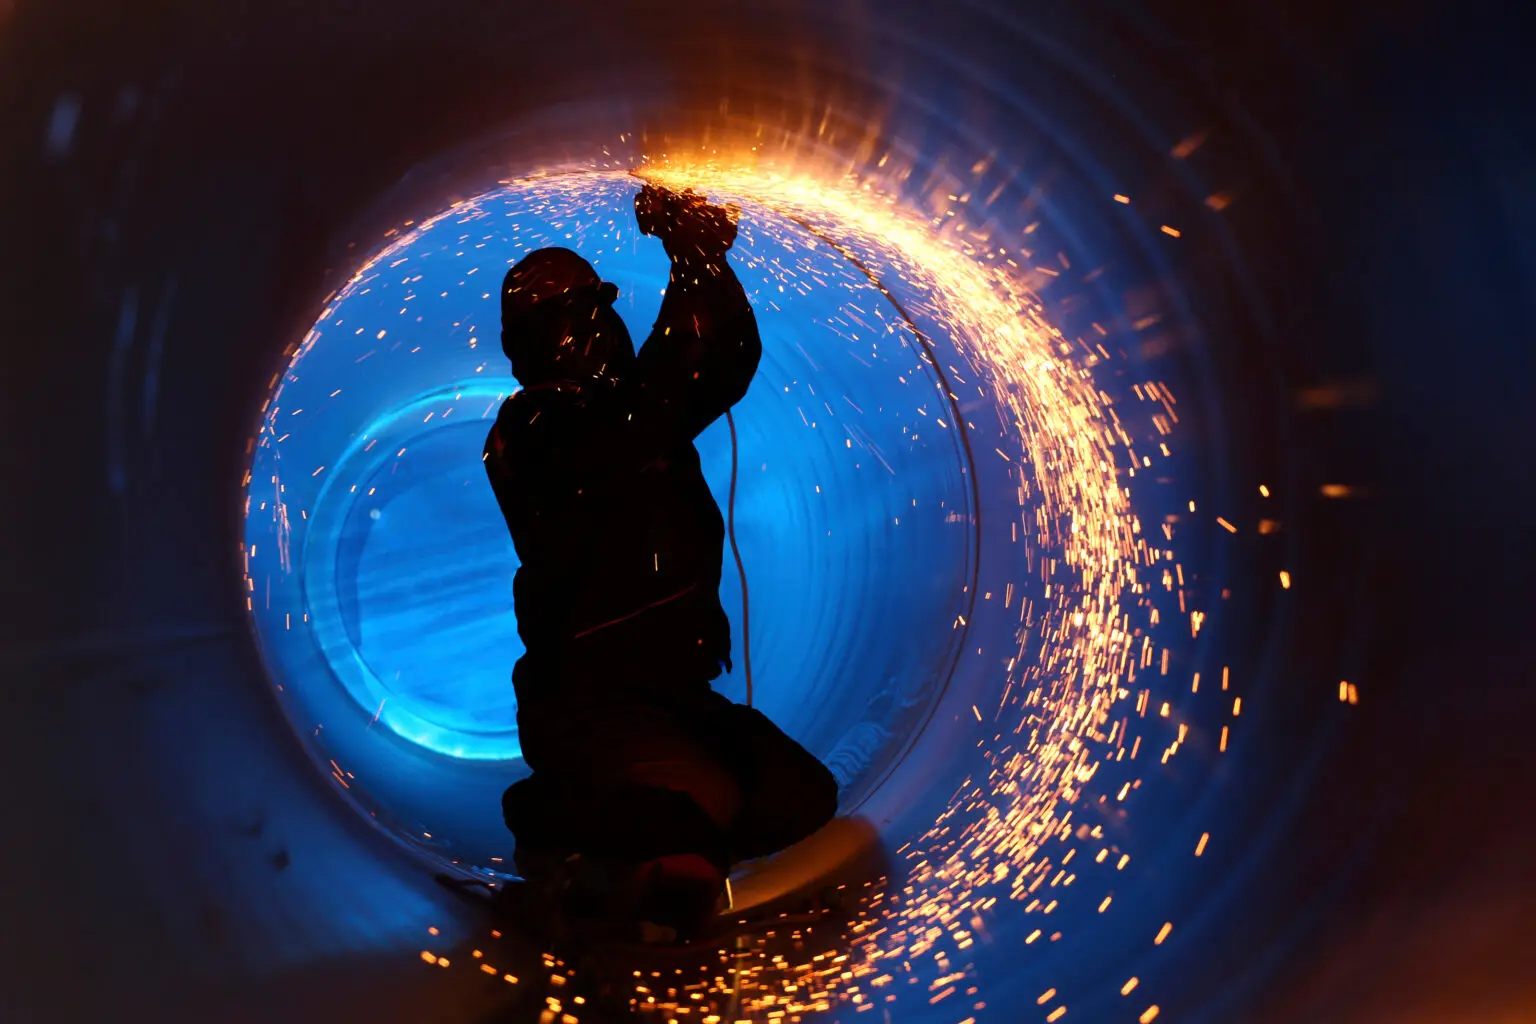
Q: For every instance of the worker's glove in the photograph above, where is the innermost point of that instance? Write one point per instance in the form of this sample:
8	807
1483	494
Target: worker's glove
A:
689	226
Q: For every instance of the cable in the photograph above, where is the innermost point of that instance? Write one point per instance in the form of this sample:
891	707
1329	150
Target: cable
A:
741	570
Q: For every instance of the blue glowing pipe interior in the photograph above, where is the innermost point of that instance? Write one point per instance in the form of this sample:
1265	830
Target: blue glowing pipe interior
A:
381	570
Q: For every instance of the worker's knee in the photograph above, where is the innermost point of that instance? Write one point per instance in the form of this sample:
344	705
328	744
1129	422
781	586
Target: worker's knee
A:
808	783
808	801
799	803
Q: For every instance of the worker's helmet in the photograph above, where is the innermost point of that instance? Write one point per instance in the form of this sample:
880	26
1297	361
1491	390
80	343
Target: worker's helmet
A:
557	318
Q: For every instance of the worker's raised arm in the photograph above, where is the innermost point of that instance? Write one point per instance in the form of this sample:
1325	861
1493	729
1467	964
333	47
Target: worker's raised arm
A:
705	347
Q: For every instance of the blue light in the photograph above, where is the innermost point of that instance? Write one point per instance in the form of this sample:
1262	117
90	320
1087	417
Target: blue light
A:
407	576
392	617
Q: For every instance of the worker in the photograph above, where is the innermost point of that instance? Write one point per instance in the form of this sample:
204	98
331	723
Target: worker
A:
643	776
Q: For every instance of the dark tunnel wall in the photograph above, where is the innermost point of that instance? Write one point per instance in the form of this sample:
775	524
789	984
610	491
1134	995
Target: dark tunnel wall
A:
184	184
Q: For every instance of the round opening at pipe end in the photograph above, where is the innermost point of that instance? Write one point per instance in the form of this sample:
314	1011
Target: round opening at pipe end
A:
380	571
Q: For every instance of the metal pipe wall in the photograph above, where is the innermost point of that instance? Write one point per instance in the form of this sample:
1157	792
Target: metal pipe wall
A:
185	183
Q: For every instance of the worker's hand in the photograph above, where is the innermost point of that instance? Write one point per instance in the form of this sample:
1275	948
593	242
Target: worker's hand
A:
689	226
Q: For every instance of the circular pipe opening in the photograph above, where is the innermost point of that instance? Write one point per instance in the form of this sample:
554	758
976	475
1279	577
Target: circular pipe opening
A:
384	598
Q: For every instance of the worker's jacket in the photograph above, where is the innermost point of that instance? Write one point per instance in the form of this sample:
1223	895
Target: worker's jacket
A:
619	537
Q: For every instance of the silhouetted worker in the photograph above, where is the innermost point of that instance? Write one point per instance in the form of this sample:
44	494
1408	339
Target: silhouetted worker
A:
638	765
